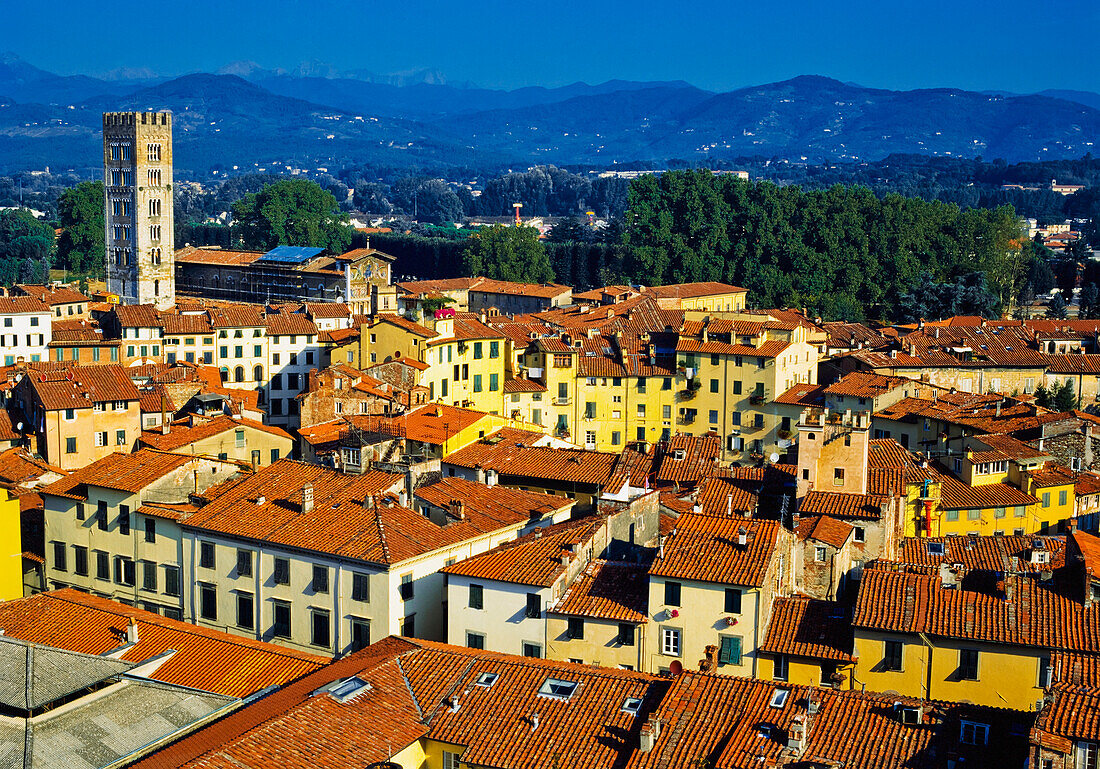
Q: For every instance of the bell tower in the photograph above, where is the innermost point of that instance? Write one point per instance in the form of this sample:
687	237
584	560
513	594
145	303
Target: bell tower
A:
137	175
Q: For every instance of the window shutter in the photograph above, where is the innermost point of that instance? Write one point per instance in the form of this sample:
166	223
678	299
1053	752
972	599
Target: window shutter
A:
730	653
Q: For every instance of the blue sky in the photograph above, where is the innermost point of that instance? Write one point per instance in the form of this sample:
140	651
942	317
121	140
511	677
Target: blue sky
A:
1008	45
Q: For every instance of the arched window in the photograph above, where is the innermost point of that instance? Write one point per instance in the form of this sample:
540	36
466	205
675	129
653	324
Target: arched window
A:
214	281
238	374
258	373
225	374
156	288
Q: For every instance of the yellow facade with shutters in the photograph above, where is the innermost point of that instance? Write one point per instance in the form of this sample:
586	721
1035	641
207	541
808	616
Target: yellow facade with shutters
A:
11	548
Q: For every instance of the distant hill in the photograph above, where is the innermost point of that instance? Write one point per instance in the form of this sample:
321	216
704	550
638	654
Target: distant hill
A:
1088	98
316	117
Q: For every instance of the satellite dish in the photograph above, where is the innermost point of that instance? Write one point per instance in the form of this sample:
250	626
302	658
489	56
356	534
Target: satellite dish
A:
773	458
676	668
19	426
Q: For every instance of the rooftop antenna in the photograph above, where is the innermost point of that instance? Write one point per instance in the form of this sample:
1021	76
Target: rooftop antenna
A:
516	206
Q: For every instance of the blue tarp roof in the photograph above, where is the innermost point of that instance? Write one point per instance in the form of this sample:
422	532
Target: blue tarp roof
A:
291	254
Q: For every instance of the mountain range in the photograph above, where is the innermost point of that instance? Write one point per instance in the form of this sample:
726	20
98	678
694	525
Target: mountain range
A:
315	116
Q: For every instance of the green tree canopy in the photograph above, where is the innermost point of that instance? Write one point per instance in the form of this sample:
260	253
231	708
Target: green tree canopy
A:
292	212
508	253
1057	307
26	248
80	247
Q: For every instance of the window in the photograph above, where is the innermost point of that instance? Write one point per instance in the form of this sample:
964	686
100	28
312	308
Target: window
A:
59	556
733	600
70	445
80	560
149	576
320	578
206	555
670	641
1019	511
487	680
477	383
626	634
779	698
714	385
891	658
1088	755
360	633
781	667
246	613
820	554
319	628
556	687
713	416
360	587
406	589
838	476
101	515
124	520
102	565
281	573
244	563
478	350
150	529
280	627
477	597
80	511
534	606
729	653
576	628
1046	499
475	640
172	580
1062	496
859	534
952	515
532	650
208	602
968	665
101	438
973	733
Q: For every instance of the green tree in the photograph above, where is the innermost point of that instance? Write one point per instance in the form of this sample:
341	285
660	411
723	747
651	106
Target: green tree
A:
1088	307
80	247
1057	307
508	253
1064	399
292	212
26	247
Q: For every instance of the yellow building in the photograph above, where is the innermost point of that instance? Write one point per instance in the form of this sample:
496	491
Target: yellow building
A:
11	548
468	363
723	601
601	619
809	643
709	296
961	636
389	337
1054	487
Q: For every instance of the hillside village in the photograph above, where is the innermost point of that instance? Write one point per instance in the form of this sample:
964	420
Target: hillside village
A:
277	508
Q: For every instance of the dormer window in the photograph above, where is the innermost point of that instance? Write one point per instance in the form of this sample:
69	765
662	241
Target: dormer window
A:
779	698
348	688
973	733
936	549
632	705
557	688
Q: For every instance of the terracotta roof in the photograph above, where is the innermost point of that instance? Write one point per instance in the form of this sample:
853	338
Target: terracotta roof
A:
802	395
52	295
75	331
770	349
1004	447
525	461
989	553
1087	483
197	323
137	315
699	454
1052	475
121	472
538	558
19	466
1073	364
432	286
732	722
523	385
237	316
491	502
404	323
183	433
694	290
728	495
327	310
861	384
352	515
607	590
1074	669
200	658
705	548
842	505
825	529
20	305
955	495
978	609
194	255
541	290
151	400
81	386
1072	715
435	423
804	627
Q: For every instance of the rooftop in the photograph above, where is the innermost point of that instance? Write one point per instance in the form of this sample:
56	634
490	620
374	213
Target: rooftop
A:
183	433
805	627
607	590
538	558
707	549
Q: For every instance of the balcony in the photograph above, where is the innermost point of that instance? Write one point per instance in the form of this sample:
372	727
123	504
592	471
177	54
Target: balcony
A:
559	401
757	399
687	395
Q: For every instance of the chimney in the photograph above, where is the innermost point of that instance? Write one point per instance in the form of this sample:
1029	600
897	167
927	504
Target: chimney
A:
796	735
742	536
490	478
458	509
651	730
307	498
453	704
403	498
534	721
131	630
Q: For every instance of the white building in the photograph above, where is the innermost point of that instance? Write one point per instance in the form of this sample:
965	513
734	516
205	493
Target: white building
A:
25	329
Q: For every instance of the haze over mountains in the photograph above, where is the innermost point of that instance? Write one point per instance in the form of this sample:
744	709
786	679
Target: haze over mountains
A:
315	116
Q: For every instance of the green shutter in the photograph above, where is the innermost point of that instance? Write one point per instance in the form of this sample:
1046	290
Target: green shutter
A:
730	653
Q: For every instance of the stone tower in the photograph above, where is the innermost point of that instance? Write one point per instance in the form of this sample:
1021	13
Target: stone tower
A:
137	174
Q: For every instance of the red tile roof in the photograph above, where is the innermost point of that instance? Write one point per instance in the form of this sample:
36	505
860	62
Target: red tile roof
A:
843	505
861	384
490	502
694	290
698	459
194	255
404	323
81	386
804	627
802	395
705	548
200	658
825	529
183	433
19	305
541	462
52	295
607	590
989	553
121	472
955	495
538	558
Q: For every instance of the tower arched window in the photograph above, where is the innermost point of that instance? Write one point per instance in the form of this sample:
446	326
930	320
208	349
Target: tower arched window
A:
156	288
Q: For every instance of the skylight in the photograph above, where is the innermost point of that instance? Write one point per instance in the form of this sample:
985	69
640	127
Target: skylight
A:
779	698
487	679
349	688
632	705
935	548
555	687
